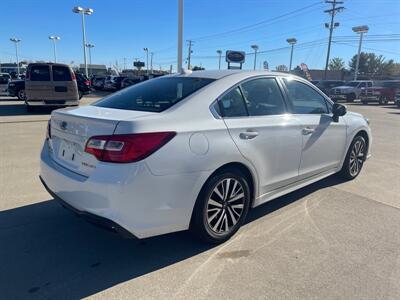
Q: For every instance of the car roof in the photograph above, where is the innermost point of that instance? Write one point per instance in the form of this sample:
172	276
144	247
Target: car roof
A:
218	74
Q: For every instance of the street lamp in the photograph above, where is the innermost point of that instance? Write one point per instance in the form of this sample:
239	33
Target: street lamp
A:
147	59
219	59
361	30
16	41
180	35
83	12
292	42
151	62
90	46
54	39
255	48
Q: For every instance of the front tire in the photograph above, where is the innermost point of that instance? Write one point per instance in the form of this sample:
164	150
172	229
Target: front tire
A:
221	207
355	157
21	94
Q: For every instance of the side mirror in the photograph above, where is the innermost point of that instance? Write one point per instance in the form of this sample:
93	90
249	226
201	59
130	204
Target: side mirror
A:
338	110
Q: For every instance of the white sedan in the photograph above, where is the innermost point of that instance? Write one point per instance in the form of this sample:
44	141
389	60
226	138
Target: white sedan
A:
198	150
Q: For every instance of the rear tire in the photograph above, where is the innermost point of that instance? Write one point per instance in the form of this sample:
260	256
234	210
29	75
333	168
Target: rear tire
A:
221	206
355	157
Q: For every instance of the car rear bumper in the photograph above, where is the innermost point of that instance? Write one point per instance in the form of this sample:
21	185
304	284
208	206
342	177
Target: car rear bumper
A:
128	195
92	218
52	102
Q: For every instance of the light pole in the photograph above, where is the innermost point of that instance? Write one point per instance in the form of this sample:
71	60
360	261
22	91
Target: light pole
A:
361	30
83	12
255	48
16	41
54	39
180	35
147	59
90	46
292	42
151	62
219	59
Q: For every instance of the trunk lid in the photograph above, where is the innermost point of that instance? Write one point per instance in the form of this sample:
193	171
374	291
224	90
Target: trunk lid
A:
71	128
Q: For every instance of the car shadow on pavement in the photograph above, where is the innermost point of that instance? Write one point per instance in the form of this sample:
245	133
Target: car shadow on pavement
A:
20	110
47	252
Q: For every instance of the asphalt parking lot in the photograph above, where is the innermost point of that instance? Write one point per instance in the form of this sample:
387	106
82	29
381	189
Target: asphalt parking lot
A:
331	240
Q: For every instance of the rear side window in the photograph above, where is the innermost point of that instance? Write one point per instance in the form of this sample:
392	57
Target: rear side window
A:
263	97
61	73
40	73
304	99
154	95
232	104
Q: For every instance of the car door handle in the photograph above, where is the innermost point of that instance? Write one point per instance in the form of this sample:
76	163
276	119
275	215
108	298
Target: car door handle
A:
307	130
248	135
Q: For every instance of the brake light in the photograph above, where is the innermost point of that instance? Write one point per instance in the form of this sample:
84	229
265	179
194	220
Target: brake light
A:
87	82
73	76
125	148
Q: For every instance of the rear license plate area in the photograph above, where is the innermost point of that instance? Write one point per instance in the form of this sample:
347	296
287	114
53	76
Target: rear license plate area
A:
54	102
61	89
68	152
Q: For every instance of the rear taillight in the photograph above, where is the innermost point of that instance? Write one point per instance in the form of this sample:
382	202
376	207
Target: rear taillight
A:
73	76
125	148
87	82
48	130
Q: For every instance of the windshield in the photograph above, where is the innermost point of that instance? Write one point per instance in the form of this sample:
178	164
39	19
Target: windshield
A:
353	83
154	95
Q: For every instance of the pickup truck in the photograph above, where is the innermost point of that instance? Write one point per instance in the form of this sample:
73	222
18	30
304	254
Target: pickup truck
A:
349	91
382	92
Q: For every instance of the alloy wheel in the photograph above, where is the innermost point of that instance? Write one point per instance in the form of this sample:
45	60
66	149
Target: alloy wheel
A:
357	157
225	205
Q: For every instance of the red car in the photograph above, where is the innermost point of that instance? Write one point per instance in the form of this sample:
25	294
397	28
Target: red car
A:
382	92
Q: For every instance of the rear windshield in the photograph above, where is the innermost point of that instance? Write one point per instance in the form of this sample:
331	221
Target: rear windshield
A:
155	95
40	73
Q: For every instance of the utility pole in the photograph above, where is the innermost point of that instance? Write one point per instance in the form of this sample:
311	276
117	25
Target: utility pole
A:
255	48
331	26
190	44
292	42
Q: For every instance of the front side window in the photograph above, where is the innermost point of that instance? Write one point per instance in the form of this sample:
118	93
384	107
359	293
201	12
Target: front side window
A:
304	99
61	73
232	104
263	97
154	95
40	73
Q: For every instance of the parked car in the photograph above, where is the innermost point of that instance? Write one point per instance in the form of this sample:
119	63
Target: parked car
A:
129	81
50	84
5	78
16	88
397	98
350	90
113	83
98	83
197	150
327	85
84	84
382	92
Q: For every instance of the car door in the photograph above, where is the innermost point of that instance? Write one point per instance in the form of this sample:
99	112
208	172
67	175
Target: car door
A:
269	138
64	84
38	84
324	140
